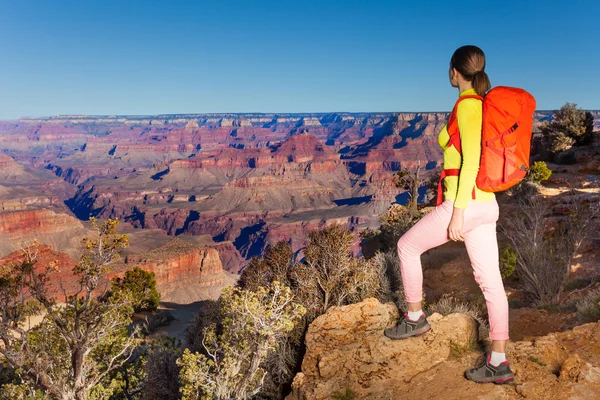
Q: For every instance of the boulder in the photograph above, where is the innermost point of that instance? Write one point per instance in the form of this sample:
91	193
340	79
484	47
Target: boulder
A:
346	349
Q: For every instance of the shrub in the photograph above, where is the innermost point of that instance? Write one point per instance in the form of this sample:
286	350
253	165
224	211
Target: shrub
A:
525	190
538	172
508	261
391	279
560	142
141	286
570	126
252	326
394	223
157	320
588	308
330	274
274	265
545	248
446	306
162	373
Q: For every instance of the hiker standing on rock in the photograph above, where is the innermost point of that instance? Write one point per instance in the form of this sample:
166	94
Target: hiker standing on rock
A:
464	211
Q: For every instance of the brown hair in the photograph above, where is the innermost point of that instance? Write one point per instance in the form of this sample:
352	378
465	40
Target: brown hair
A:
470	62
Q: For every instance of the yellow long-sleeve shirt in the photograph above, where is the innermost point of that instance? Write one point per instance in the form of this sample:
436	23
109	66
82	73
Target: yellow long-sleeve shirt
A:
469	115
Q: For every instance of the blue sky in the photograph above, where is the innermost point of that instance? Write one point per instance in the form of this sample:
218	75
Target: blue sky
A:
144	57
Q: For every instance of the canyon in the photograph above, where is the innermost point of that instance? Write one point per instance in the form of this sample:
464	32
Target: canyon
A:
201	194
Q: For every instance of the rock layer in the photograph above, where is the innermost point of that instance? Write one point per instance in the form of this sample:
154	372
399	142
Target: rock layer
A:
177	263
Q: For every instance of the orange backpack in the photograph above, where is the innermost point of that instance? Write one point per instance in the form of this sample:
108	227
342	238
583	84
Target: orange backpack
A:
506	139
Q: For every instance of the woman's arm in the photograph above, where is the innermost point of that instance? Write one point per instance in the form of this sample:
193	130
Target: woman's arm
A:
469	115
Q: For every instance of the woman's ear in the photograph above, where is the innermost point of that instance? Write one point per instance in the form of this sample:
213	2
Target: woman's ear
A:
453	77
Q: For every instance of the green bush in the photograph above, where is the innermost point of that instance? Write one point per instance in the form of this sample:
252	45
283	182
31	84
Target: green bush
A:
508	261
539	172
141	286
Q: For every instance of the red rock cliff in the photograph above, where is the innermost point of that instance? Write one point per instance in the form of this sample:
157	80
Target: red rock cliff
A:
35	222
178	263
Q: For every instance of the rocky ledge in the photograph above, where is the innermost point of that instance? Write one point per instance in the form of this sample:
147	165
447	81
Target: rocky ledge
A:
348	353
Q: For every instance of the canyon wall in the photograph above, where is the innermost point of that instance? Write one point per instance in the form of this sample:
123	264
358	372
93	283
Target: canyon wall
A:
246	180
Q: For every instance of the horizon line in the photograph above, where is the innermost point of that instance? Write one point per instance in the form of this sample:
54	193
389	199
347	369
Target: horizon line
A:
321	113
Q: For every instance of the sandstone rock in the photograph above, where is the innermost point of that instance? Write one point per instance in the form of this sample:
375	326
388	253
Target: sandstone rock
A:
346	348
571	369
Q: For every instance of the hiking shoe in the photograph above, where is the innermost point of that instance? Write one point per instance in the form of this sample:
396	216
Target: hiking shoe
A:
486	372
406	328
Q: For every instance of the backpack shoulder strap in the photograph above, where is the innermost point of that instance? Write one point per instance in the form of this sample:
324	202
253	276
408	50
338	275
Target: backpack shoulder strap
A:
453	123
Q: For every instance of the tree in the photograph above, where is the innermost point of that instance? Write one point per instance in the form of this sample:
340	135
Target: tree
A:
570	126
252	326
78	343
140	285
410	181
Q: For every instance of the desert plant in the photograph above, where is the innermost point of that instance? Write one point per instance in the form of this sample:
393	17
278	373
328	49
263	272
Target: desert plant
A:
252	326
141	286
79	343
162	372
588	307
525	190
559	142
545	248
394	223
411	182
209	314
446	306
331	275
538	172
508	261
391	280
570	126
274	265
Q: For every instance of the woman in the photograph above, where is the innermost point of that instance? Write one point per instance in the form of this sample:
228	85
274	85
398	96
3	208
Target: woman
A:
466	214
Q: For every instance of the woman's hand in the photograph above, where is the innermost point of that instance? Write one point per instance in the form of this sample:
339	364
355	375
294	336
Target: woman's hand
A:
455	229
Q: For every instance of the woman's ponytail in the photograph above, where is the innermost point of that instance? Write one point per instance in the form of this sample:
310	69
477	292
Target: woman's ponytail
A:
481	83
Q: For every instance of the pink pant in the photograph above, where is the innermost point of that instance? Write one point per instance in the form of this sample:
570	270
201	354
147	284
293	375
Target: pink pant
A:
480	238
